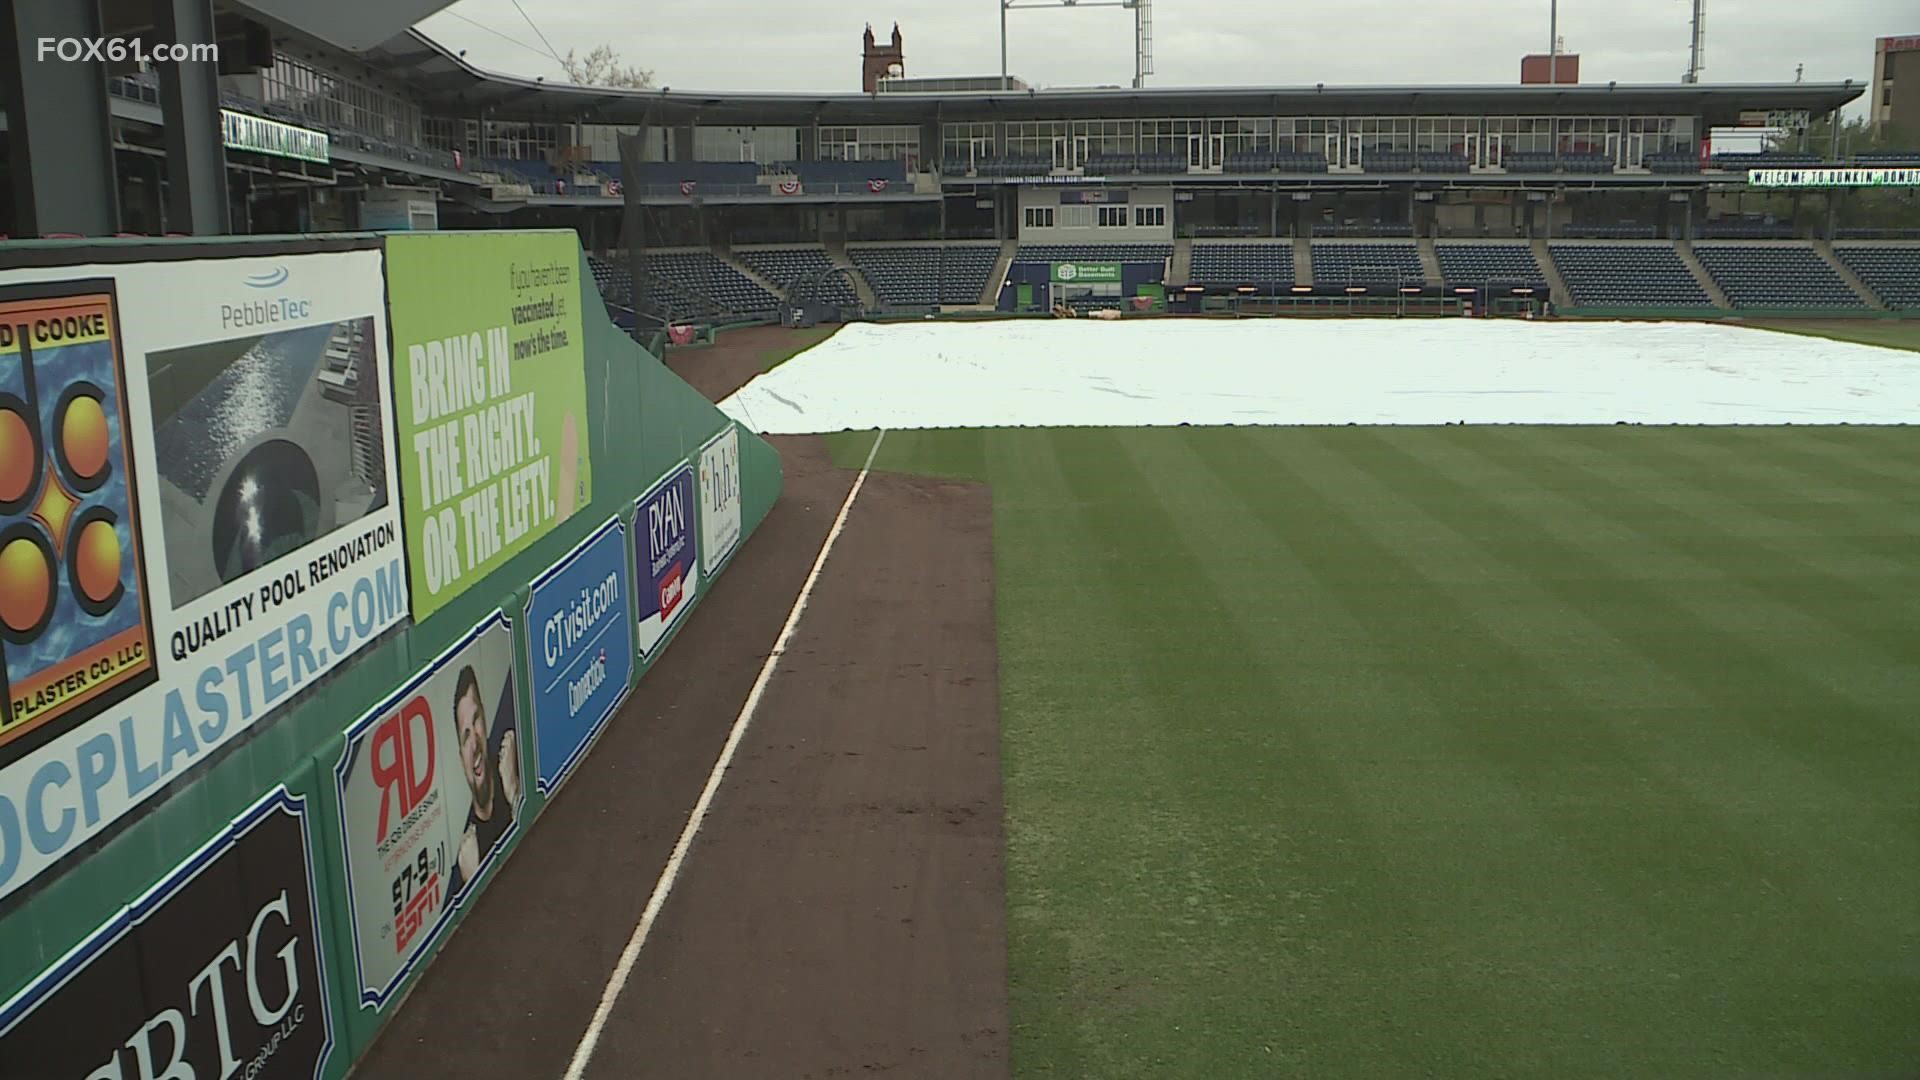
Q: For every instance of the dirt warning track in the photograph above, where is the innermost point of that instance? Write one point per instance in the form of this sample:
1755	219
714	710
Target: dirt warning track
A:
842	910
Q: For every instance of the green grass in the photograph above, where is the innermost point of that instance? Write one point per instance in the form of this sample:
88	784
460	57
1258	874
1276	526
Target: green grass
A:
1465	751
1894	334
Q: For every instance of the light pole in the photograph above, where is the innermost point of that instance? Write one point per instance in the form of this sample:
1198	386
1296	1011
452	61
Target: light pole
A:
1142	31
1553	42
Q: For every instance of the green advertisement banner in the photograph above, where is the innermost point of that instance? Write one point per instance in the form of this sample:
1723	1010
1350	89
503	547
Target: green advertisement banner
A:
1086	273
491	399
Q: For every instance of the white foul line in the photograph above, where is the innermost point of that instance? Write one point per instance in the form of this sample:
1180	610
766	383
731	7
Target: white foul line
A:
583	1053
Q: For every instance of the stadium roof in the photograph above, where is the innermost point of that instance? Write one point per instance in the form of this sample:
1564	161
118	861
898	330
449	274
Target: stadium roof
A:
449	81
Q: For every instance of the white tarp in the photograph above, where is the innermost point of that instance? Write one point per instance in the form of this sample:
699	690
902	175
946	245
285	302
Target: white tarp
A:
1060	373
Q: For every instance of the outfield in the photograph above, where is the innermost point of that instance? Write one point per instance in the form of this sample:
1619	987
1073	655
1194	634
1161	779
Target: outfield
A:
1377	751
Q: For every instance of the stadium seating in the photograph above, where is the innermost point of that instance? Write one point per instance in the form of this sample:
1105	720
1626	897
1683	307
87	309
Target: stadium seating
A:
1014	165
1672	161
1567	161
786	267
1121	253
1592	231
1121	164
1743	230
1893	158
927	275
1367	264
1285	161
1893	273
1855	233
1768	159
1365	228
1649	275
1489	264
700	273
1775	276
1242	264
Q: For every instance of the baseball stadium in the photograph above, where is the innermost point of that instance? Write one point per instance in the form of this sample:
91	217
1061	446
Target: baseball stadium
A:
505	575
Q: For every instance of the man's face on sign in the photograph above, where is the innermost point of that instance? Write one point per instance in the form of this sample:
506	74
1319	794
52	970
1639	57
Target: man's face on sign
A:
470	721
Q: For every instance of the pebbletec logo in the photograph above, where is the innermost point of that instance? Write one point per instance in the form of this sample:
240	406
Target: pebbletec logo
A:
269	311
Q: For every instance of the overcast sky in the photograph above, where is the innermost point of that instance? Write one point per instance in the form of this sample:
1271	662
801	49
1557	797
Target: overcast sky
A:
815	44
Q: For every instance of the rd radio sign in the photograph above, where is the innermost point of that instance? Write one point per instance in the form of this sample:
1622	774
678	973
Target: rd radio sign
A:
430	794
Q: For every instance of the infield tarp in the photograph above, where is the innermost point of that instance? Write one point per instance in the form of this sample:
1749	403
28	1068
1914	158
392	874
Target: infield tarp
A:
1064	373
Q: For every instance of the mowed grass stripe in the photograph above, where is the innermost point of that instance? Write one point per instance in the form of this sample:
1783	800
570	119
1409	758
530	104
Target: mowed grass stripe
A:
1547	754
1827	653
1159	987
1512	701
1875	809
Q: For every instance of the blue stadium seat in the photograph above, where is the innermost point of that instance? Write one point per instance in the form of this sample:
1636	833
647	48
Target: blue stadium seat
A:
1628	275
1489	264
926	275
1775	276
1367	264
1893	273
1242	264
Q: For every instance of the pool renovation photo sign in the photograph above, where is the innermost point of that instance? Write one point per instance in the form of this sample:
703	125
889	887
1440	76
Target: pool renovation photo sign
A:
196	519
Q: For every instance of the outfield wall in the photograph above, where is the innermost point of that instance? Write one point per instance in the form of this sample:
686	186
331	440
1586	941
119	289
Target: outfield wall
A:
323	562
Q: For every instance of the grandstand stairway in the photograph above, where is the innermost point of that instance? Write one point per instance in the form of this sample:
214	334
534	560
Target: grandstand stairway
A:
726	255
836	247
1430	260
1543	255
1303	259
1003	266
1824	249
1713	290
1180	267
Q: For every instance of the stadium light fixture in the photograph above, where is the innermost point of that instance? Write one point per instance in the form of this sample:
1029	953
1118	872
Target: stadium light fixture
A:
1356	289
1415	289
1245	289
1302	288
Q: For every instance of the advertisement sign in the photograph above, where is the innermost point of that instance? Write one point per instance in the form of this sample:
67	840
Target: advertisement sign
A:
719	499
580	650
491	389
1095	195
1832	178
430	795
195	520
1086	273
242	131
217	971
664	553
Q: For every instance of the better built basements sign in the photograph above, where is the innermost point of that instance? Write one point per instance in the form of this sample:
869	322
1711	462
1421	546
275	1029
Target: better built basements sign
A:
1086	273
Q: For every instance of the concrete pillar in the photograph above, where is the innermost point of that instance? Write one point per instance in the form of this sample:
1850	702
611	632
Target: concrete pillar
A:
58	122
190	111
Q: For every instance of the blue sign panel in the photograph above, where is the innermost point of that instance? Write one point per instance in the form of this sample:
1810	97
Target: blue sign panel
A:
580	650
665	551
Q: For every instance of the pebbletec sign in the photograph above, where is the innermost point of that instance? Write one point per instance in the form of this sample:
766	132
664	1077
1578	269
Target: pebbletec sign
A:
243	131
1086	273
198	527
490	386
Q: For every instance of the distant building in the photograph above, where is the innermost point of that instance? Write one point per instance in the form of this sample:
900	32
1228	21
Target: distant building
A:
1535	69
1895	90
881	62
958	84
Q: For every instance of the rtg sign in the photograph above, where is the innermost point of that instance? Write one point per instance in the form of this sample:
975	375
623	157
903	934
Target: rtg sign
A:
1833	178
196	521
218	971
